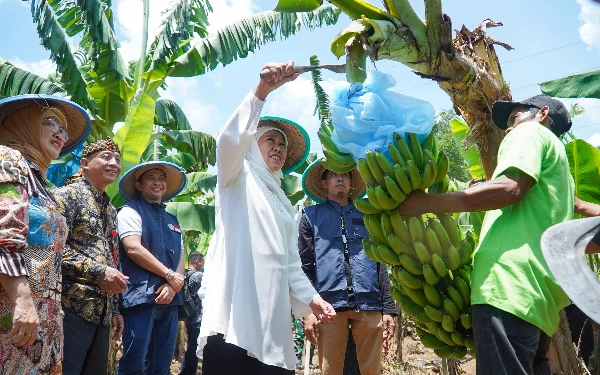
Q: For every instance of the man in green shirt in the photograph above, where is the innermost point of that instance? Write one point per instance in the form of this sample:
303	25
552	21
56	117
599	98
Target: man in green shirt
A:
515	299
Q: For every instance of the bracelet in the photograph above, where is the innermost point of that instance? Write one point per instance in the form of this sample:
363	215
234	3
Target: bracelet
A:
170	274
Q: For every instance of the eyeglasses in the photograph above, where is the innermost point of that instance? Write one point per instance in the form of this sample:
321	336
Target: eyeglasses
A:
55	127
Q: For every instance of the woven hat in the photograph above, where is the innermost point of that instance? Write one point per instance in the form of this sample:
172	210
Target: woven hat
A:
313	187
79	124
176	179
297	139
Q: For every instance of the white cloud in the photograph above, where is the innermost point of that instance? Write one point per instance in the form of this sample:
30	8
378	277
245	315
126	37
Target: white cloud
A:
226	12
594	140
589	15
42	68
203	117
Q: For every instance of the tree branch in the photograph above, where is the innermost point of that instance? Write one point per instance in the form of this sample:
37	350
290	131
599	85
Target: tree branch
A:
407	15
433	18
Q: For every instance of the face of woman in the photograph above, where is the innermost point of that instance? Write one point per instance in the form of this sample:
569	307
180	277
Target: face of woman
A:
273	150
52	139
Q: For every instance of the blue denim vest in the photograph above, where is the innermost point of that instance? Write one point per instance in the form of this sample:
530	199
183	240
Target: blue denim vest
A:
330	281
162	237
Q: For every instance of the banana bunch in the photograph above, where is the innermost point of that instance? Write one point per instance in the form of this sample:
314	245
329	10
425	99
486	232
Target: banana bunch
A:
335	160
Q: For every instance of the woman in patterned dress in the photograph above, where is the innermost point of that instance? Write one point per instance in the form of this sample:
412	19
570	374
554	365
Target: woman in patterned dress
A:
34	130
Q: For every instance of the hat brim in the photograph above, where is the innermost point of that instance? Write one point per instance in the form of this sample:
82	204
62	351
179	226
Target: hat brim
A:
313	186
176	179
79	124
501	111
298	142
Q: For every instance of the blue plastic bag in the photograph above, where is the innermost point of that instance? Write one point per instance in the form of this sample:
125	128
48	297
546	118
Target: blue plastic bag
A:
58	172
366	116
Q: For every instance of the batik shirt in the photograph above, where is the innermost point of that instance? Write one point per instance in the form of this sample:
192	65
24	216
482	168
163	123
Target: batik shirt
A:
32	236
91	247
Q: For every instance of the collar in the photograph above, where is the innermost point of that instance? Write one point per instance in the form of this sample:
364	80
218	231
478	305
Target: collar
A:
99	196
157	206
338	207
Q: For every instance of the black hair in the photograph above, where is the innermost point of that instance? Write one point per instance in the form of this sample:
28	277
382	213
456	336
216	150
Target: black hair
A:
194	257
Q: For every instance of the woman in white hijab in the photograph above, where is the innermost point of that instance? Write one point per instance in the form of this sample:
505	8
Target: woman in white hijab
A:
253	278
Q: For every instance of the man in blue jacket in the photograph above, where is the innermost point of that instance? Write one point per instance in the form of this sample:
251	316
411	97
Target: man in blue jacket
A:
330	245
152	257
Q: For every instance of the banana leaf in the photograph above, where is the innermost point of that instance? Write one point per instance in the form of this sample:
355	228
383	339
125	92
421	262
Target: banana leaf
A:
203	243
312	156
191	216
297	5
202	146
157	148
584	164
460	131
292	186
170	116
200	182
583	85
182	159
16	81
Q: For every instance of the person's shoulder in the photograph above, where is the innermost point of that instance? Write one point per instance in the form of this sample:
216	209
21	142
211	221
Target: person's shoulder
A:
13	166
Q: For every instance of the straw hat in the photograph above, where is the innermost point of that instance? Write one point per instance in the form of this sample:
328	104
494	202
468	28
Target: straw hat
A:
176	179
79	124
298	141
313	187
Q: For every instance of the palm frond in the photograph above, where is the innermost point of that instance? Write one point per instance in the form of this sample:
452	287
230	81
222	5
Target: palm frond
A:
247	35
16	81
322	106
185	18
54	39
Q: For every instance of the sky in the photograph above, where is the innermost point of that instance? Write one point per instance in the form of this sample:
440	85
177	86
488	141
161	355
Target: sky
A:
551	39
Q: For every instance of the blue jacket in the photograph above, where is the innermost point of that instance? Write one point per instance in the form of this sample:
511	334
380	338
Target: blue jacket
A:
162	237
321	250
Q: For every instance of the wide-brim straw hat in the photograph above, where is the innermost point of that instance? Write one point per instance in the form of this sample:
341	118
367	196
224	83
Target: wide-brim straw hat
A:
313	187
297	138
79	124
176	179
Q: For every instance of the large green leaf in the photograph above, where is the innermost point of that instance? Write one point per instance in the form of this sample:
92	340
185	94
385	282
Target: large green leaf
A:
182	159
203	243
200	182
247	35
460	131
191	216
297	5
201	145
170	116
583	85
157	148
292	186
312	156
16	81
584	163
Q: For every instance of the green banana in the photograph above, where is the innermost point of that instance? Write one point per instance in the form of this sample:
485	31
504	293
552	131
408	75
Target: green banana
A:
451	228
394	190
464	275
372	198
428	175
432	295
411	265
325	139
445	184
439	265
428	142
422	318
387	202
402	147
384	164
440	232
375	252
386	224
434	327
456	298
435	149
333	165
400	228
463	289
341	158
416	150
430	341
451	309
388	255
409	307
422	252
365	172
400	247
374	167
466	250
443	164
432	242
413	175
427	155
470	344
465	320
365	206
445	336
368	248
402	179
459	352
453	259
434	314
409	280
445	352
448	324
416	230
396	155
429	275
374	225
417	296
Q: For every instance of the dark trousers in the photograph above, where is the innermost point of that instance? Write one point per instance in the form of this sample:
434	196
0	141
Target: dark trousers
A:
506	344
86	346
189	363
221	358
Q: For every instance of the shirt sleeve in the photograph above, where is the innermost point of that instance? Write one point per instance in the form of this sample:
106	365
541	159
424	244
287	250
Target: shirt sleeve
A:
523	148
389	305
306	248
129	223
235	137
14	227
301	290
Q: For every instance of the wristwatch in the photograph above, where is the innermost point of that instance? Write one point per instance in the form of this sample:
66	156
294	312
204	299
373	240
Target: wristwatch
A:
170	274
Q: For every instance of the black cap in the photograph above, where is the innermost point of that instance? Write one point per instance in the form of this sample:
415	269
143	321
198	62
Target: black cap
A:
557	111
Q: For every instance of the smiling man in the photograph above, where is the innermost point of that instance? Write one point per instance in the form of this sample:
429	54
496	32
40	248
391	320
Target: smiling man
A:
333	258
91	279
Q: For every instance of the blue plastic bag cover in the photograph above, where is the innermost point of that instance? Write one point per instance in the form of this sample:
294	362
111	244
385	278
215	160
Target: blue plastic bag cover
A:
59	172
366	116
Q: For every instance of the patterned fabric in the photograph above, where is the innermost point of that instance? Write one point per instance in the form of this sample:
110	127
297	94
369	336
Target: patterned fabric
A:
100	145
33	234
91	247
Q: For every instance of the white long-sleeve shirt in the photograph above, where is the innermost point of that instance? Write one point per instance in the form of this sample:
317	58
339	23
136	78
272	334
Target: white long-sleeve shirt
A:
251	282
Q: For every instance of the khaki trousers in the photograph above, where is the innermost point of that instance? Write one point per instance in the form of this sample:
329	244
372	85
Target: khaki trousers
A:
368	336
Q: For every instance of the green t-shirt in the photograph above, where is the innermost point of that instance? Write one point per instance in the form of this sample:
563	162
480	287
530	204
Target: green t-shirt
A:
510	272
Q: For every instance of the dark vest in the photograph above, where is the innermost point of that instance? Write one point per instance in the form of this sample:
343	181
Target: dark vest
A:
162	237
330	281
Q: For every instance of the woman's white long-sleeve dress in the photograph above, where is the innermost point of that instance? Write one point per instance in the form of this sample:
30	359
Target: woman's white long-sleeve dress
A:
253	278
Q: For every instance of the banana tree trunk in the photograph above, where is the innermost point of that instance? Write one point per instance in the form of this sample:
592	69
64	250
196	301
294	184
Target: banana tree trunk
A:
594	362
562	355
